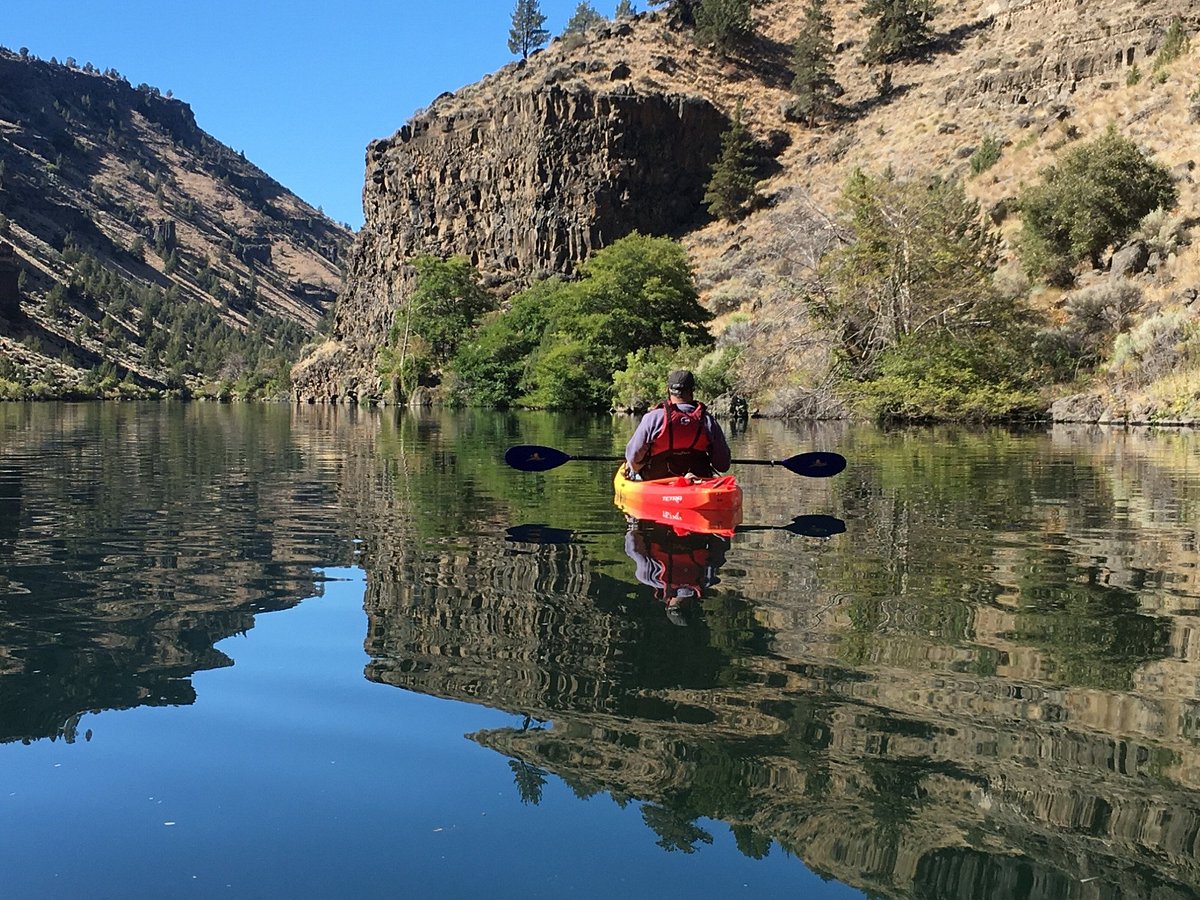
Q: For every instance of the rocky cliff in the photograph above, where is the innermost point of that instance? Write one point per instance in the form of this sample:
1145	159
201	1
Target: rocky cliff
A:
537	165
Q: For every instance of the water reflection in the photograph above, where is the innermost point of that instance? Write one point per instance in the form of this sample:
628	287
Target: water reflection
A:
132	540
986	687
971	672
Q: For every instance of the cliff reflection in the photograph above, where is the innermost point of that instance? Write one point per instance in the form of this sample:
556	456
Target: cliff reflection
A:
986	688
134	538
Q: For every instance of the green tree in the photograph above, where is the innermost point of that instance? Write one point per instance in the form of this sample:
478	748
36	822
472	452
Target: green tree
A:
446	303
1093	197
812	63
560	343
677	832
439	314
731	188
624	10
585	17
527	32
918	258
900	31
1174	45
529	779
921	330
724	23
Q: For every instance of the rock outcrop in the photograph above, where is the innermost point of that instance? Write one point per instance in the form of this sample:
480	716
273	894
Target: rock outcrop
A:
525	185
10	273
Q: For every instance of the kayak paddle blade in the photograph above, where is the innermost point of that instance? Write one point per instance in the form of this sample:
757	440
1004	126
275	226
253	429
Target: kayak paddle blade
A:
818	464
816	526
538	534
532	458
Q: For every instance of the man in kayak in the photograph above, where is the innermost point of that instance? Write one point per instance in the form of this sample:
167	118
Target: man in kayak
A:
678	437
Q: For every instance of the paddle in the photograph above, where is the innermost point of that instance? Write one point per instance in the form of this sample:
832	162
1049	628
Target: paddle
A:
534	458
819	526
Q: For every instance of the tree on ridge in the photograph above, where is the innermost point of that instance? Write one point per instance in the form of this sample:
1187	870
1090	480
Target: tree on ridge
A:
527	33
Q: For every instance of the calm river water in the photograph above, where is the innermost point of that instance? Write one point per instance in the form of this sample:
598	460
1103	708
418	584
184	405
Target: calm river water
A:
259	651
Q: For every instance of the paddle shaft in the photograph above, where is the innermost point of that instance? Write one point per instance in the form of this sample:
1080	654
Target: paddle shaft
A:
535	458
736	462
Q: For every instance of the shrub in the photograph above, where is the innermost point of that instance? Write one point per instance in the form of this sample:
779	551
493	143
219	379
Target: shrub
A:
986	156
1094	317
1174	45
947	382
1156	347
642	383
1091	199
1163	233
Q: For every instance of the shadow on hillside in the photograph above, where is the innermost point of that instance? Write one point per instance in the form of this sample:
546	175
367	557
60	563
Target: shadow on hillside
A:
860	109
770	60
952	41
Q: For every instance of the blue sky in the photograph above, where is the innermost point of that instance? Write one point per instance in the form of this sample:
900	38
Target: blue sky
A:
300	87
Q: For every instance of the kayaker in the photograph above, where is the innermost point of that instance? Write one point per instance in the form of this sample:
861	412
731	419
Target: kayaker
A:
679	437
680	566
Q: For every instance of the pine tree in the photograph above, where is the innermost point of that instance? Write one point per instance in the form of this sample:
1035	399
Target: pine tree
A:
624	10
812	63
724	23
527	33
731	188
900	31
584	18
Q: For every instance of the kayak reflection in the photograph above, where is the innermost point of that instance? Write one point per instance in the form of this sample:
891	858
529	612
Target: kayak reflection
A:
680	565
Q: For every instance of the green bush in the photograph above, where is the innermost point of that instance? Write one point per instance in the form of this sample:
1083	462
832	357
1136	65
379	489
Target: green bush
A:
560	343
986	156
642	383
1093	198
948	381
1174	45
490	368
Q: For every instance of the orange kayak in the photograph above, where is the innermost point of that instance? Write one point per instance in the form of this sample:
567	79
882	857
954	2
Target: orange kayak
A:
709	505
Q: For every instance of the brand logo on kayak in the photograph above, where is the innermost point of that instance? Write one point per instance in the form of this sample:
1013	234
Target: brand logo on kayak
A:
673	499
673	516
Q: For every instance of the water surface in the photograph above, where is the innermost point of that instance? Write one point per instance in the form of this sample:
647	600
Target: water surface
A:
262	651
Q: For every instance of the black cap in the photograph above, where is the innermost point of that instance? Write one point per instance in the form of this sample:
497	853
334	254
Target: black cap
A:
681	383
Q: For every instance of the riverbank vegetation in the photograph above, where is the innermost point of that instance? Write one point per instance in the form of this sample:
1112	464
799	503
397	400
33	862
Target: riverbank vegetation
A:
925	317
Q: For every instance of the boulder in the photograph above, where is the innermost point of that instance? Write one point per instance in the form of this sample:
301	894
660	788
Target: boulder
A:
1129	260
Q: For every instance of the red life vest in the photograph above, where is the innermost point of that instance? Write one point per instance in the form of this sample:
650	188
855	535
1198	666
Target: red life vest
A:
681	432
680	562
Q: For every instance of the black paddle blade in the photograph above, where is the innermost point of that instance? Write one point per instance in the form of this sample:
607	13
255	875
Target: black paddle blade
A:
818	464
532	458
816	526
538	534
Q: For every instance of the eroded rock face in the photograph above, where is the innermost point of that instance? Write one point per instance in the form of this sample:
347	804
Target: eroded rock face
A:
1044	49
10	271
524	185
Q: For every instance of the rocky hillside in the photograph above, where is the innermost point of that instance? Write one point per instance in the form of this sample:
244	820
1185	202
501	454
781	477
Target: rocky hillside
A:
136	250
535	166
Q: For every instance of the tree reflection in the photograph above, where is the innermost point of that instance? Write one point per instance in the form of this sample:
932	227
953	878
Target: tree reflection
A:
530	780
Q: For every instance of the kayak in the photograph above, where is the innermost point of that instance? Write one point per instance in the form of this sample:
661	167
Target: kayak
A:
708	505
